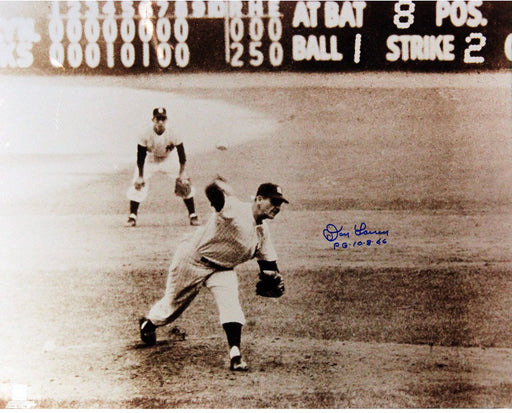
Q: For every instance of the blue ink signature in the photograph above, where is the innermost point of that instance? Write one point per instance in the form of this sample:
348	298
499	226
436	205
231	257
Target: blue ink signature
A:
362	231
331	233
366	243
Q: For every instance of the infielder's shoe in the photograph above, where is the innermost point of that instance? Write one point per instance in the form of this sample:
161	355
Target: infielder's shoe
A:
194	220
147	331
132	220
237	364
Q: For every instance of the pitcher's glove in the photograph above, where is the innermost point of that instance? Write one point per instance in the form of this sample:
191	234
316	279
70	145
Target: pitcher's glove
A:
182	187
271	284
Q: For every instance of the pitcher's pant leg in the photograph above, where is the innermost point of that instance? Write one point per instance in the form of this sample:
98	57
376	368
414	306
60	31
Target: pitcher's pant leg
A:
184	282
224	287
173	303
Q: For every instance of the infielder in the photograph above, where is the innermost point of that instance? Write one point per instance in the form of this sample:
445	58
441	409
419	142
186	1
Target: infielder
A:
235	233
159	141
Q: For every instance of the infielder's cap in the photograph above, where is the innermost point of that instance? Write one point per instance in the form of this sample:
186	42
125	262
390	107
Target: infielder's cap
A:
269	190
160	113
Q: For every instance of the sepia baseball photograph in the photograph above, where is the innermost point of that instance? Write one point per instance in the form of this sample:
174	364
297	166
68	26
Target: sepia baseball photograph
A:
256	204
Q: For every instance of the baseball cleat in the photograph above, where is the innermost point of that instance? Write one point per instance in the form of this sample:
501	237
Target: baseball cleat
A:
132	220
194	220
237	364
147	331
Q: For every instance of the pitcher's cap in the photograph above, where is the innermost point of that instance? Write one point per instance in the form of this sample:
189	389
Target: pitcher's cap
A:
160	113
269	190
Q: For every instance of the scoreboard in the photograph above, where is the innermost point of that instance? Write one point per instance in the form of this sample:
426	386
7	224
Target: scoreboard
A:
181	36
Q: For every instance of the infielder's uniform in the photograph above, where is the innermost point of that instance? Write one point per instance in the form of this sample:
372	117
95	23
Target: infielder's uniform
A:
153	150
230	237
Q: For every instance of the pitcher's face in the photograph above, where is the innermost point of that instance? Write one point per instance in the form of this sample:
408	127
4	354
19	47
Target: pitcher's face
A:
268	208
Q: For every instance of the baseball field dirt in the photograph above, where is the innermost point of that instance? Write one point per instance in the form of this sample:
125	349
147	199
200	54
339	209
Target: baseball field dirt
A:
420	318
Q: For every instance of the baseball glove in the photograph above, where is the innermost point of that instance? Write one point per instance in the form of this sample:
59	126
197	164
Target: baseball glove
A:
271	284
182	187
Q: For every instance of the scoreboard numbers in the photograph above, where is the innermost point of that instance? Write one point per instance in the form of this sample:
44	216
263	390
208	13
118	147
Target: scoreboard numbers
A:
404	14
218	35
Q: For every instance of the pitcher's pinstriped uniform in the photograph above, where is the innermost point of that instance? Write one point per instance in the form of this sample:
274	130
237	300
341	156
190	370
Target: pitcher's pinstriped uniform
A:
229	238
234	233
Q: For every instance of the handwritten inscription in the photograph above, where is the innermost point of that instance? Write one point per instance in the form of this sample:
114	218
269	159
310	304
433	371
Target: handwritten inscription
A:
331	233
363	231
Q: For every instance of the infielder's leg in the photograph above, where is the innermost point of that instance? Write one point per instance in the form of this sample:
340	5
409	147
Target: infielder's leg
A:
189	204
136	196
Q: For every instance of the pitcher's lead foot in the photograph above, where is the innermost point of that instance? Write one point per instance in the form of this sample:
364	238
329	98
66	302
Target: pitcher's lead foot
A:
147	331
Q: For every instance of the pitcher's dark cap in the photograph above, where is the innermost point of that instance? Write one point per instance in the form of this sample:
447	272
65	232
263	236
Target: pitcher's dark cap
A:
269	190
160	113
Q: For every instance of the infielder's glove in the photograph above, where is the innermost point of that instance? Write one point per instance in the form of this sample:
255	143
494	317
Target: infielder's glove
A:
271	284
182	187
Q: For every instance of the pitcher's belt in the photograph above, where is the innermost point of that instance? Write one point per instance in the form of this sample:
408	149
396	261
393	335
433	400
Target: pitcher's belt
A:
213	265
